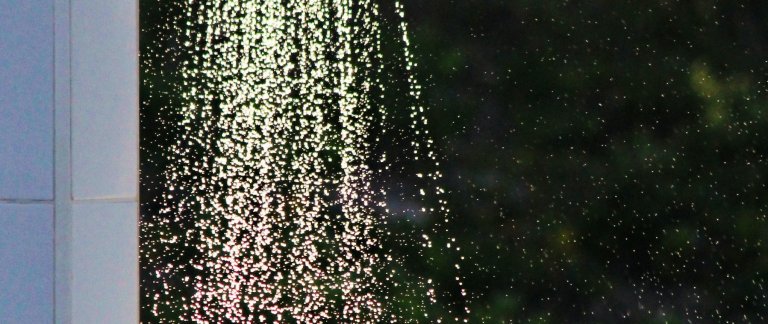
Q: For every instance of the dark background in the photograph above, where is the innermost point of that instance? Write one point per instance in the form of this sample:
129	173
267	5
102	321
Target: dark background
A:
604	160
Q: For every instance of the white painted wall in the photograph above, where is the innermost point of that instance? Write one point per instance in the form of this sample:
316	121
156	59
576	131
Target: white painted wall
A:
69	161
26	258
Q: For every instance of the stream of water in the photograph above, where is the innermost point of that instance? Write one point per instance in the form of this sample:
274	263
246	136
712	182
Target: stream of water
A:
274	207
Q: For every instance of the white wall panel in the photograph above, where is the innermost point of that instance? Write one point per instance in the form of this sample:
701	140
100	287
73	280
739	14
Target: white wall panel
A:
72	256
105	99
26	99
26	263
105	263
